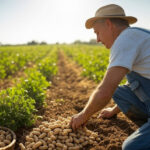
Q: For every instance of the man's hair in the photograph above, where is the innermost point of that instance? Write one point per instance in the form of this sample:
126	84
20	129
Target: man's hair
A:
119	22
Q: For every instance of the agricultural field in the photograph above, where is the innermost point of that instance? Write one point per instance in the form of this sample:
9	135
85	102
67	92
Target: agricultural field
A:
41	87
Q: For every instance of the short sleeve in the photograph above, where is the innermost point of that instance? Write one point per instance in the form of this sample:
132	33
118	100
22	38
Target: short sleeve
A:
124	50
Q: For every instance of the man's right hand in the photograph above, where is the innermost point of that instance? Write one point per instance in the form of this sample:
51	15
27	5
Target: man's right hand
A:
78	120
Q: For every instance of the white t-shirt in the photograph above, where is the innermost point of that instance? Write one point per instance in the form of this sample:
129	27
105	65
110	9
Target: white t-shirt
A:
131	50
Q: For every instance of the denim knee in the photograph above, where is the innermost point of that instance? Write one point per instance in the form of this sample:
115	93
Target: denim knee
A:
139	140
127	145
125	99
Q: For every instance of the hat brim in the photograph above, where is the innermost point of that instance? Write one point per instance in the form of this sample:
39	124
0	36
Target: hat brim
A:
90	22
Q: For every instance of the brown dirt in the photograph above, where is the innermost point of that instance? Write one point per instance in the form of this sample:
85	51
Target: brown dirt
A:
71	91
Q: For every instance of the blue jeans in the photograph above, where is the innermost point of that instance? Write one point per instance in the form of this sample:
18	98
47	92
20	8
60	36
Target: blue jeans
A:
128	101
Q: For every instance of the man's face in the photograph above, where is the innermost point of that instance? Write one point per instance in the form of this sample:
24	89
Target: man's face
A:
103	34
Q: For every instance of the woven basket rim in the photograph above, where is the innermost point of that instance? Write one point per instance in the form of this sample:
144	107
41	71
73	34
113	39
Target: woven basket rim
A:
13	135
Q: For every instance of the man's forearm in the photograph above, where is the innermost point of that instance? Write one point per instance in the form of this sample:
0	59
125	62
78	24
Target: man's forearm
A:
97	101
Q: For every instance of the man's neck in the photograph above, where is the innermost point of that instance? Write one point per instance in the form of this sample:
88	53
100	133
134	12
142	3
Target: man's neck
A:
118	31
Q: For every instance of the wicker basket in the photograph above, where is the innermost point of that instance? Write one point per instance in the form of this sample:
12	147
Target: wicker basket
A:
11	146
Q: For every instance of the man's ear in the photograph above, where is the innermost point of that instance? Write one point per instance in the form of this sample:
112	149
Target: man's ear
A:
109	24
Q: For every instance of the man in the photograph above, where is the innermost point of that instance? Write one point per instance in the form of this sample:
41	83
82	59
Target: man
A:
130	56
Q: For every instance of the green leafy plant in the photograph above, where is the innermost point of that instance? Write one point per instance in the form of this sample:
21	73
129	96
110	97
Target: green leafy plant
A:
16	108
2	72
48	66
35	85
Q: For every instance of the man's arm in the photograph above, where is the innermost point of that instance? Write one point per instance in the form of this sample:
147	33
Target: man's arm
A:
104	92
101	96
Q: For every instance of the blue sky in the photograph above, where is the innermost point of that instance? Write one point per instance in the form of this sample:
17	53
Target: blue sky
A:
58	20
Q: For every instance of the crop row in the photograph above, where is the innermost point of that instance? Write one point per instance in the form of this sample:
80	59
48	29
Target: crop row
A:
19	104
93	59
13	58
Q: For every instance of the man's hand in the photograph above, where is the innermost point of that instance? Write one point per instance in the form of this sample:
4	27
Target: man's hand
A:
106	113
109	112
78	120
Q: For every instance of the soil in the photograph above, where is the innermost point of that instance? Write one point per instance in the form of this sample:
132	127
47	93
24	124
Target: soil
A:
68	94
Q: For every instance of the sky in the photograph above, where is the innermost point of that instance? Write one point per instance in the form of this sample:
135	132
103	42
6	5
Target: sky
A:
60	21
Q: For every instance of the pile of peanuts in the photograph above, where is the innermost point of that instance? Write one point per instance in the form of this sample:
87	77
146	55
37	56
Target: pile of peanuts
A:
5	138
57	135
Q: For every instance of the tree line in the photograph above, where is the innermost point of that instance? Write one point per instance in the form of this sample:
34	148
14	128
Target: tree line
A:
33	42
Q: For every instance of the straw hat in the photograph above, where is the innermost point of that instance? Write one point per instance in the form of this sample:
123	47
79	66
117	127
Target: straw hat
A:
109	11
